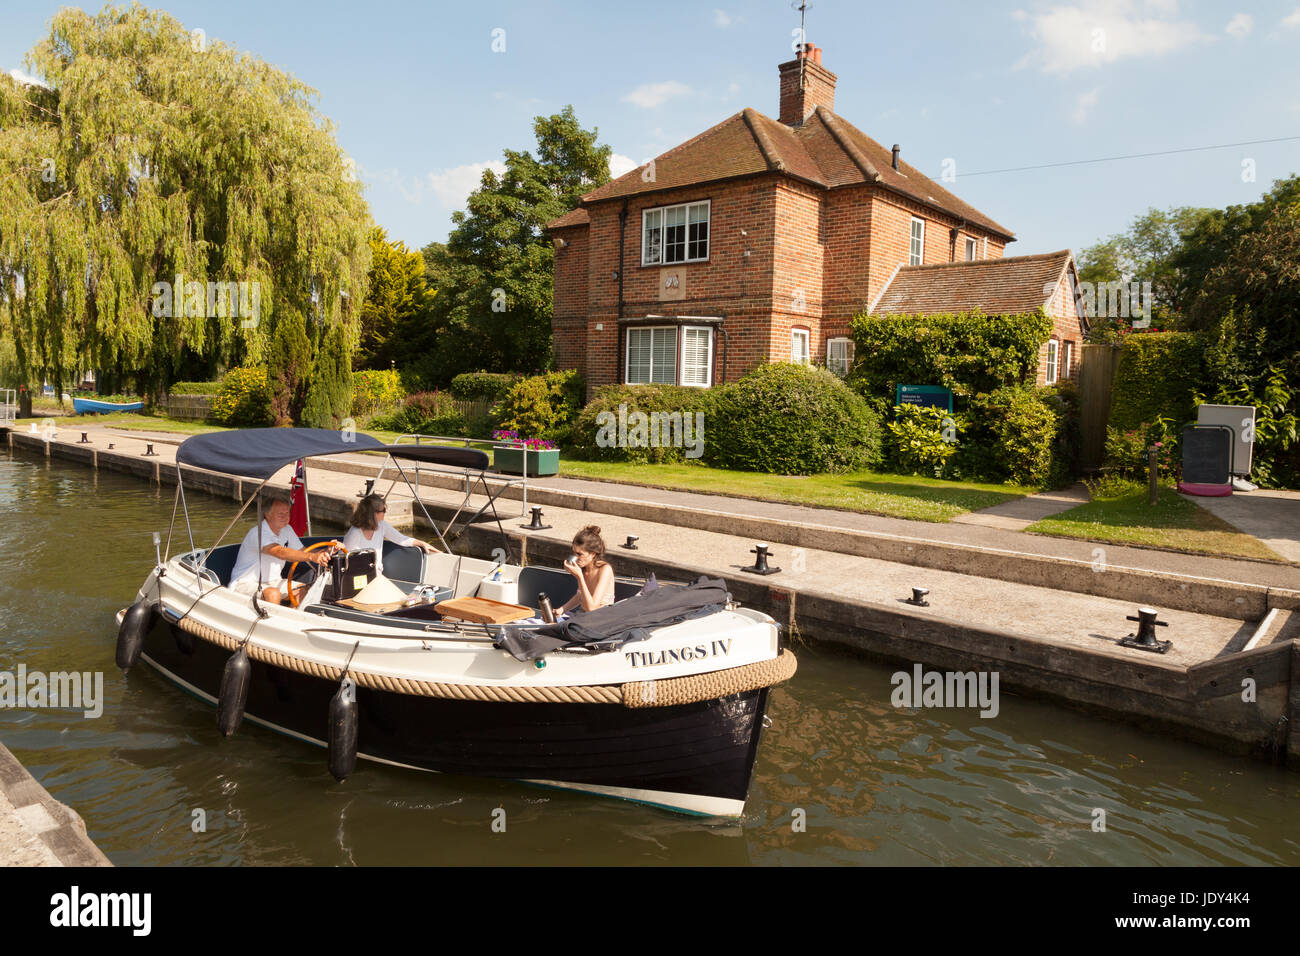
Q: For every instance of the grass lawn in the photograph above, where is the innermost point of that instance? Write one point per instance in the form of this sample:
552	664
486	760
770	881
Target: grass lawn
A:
1174	524
898	496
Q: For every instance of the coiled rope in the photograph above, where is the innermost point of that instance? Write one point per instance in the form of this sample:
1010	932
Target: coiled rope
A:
669	692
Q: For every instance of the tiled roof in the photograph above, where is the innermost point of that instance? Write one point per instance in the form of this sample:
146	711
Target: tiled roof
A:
994	286
574	217
826	151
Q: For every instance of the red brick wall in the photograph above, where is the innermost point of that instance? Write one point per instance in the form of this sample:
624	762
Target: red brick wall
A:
569	319
1066	327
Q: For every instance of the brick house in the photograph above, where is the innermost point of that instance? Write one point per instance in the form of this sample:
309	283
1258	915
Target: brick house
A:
759	240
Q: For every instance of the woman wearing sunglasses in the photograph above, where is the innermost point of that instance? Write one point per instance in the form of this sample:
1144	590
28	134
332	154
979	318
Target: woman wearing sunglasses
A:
368	529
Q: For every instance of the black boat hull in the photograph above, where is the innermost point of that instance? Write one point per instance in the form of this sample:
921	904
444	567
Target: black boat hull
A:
695	758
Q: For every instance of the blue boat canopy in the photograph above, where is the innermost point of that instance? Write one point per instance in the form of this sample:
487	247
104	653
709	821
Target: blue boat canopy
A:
261	452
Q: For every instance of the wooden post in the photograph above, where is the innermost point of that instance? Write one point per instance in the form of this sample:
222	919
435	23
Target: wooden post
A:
1153	474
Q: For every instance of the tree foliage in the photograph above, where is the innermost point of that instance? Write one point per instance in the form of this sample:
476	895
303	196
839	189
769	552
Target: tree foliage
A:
153	153
494	275
398	302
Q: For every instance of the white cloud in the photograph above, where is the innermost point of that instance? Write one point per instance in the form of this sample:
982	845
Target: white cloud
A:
26	79
1240	25
620	164
721	19
1292	20
1097	32
452	186
1084	105
649	95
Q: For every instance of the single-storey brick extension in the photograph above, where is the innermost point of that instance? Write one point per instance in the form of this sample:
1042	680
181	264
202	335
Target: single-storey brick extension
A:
760	239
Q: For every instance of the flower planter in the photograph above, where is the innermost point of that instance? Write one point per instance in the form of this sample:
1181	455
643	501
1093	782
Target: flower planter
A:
541	462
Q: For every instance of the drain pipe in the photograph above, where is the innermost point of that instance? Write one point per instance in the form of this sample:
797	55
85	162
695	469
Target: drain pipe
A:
622	232
722	327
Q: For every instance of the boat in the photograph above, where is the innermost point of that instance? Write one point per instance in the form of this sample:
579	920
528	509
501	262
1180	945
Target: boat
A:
659	698
93	406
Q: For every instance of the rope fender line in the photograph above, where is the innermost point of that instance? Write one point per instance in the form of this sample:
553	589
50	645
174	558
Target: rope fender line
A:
637	694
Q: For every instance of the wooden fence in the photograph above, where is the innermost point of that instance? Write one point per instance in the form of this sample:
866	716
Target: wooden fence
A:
1097	364
194	408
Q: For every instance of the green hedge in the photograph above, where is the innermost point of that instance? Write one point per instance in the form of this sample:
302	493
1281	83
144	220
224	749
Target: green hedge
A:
492	386
194	388
542	406
1156	377
601	439
970	353
792	420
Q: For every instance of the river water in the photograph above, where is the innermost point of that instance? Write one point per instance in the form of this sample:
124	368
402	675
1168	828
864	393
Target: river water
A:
843	777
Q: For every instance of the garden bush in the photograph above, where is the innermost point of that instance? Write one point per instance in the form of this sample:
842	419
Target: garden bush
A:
1011	437
542	406
1126	451
921	439
590	435
424	413
479	386
244	399
375	391
329	393
289	367
792	419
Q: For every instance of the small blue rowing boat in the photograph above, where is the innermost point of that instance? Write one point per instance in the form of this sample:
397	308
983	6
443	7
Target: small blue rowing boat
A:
83	406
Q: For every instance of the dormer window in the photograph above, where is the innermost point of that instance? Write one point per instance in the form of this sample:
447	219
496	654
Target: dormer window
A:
672	234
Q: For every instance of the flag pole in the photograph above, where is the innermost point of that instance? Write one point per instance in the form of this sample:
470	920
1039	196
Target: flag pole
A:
306	499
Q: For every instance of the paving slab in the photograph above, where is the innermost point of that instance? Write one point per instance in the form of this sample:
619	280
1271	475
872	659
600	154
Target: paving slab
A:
1272	516
1022	512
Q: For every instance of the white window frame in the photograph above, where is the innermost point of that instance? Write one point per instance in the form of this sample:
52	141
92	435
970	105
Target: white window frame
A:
627	353
1068	365
915	255
681	356
806	334
971	248
848	354
1053	347
986	248
662	211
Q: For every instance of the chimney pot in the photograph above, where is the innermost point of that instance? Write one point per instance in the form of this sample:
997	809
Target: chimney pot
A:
895	160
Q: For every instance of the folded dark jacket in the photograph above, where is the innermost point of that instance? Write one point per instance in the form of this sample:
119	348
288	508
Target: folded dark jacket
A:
609	628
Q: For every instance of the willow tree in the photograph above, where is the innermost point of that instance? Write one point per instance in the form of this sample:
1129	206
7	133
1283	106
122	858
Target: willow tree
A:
161	196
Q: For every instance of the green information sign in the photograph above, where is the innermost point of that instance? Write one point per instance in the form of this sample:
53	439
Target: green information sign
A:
928	396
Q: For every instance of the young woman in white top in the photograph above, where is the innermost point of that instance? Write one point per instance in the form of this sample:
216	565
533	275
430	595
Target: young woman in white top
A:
368	529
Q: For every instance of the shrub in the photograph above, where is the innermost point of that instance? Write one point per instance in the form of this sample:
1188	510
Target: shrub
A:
289	367
375	391
792	420
1011	438
194	388
1108	487
921	439
477	386
970	353
329	394
1126	451
661	439
243	399
424	413
542	406
1156	377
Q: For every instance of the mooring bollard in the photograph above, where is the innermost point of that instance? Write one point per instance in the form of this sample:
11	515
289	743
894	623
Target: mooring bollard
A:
1145	638
84	439
149	452
760	561
632	539
918	597
536	524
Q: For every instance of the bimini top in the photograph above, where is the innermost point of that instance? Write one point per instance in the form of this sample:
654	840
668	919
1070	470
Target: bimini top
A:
261	452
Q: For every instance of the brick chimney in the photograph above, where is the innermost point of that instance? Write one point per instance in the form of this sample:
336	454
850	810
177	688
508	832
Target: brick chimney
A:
803	90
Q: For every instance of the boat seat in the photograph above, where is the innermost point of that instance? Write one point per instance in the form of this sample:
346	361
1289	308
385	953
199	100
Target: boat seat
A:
558	585
403	564
626	589
221	561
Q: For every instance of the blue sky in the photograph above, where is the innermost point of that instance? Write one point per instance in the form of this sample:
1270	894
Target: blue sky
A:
422	102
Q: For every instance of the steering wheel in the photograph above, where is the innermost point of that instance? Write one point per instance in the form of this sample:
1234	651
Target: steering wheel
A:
293	598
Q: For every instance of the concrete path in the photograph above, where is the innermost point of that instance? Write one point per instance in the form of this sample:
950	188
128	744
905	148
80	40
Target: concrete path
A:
1020	514
684	507
1271	516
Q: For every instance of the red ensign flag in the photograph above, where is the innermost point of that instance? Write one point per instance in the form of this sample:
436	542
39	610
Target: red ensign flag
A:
298	500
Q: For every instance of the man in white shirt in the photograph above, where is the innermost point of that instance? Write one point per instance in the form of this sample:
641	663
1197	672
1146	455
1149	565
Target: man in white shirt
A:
254	572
